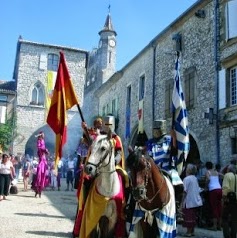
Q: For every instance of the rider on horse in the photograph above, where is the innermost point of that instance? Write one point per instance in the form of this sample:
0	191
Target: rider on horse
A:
100	127
162	148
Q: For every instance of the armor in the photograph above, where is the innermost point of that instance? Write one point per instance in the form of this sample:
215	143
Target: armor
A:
161	125
109	123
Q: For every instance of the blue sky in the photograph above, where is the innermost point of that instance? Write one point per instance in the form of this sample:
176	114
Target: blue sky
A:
76	23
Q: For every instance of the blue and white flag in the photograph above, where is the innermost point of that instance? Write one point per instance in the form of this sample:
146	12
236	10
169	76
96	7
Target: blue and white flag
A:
180	119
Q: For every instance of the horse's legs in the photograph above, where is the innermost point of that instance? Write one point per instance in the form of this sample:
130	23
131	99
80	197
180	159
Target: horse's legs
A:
104	226
149	231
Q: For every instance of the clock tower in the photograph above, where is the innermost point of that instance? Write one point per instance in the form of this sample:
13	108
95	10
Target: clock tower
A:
100	67
107	50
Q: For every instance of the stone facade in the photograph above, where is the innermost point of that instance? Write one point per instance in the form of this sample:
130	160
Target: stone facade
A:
206	51
32	118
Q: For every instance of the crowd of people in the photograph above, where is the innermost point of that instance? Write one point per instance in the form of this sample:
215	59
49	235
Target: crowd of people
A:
211	201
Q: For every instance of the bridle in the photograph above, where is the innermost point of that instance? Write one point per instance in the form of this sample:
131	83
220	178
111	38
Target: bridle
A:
100	165
140	192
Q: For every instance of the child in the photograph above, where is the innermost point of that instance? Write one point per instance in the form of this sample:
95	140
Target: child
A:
53	175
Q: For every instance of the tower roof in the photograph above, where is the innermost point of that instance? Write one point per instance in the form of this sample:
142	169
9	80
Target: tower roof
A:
108	26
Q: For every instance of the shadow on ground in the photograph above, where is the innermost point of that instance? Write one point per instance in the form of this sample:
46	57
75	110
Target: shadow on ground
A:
49	234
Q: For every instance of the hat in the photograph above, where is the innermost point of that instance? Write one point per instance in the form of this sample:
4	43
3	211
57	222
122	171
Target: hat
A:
40	134
161	125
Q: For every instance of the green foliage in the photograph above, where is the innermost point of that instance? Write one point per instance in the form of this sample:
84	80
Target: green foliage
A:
6	133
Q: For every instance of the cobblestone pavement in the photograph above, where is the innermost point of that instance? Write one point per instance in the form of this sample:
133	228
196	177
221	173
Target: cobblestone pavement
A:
24	216
52	215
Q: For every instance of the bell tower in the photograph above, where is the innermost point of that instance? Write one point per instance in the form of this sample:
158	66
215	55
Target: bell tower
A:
107	50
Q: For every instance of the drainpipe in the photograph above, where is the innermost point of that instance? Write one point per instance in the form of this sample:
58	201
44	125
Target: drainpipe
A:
217	62
153	44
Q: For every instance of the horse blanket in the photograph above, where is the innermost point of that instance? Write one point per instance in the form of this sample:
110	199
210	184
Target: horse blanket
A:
165	218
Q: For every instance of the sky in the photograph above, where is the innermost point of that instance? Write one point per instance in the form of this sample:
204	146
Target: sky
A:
76	23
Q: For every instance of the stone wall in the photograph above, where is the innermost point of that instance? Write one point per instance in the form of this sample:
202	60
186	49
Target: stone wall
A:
31	118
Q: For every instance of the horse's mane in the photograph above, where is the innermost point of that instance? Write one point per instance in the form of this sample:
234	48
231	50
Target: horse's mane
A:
134	156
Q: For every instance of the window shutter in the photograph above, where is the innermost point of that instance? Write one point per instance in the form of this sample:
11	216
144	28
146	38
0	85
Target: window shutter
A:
231	17
43	61
3	110
222	89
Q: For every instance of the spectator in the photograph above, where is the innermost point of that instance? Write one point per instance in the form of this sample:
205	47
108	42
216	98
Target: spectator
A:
6	174
60	172
191	200
229	214
26	171
53	176
17	166
70	173
214	195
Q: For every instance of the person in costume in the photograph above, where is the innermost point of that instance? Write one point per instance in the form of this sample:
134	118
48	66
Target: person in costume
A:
42	165
102	127
163	149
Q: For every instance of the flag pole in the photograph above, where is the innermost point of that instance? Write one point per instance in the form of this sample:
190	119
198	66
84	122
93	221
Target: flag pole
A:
83	120
176	68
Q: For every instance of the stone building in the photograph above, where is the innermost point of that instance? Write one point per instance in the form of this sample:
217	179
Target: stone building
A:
206	36
35	72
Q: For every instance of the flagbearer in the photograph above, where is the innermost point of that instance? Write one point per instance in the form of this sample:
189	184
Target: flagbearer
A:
162	148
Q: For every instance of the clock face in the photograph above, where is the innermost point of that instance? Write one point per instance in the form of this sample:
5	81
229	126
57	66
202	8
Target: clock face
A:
112	43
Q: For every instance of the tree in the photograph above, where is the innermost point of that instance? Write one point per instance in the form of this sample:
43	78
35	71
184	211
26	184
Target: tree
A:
6	133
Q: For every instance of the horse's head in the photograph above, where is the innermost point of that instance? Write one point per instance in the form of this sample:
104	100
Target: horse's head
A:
100	155
140	172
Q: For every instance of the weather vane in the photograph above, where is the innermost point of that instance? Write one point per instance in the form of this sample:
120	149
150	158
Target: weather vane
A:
109	8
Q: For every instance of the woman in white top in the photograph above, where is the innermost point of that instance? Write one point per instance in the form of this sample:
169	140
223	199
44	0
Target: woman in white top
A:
214	195
191	199
6	174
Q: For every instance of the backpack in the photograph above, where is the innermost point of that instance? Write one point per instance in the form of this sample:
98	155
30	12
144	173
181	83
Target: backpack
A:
13	189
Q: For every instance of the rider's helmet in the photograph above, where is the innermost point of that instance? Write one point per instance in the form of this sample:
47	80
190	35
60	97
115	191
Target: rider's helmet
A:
109	123
161	126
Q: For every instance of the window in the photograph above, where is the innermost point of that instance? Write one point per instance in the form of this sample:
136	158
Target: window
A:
233	86
189	89
234	146
3	112
104	111
115	107
129	93
142	88
231	19
53	61
3	98
168	96
178	41
37	95
108	109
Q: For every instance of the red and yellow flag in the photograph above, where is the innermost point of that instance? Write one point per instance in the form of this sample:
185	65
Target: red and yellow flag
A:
64	98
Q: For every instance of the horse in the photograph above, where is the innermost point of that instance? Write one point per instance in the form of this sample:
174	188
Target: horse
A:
154	198
104	201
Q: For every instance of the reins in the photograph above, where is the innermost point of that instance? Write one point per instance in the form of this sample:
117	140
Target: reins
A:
97	166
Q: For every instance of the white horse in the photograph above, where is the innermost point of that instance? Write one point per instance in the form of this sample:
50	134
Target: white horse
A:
101	202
